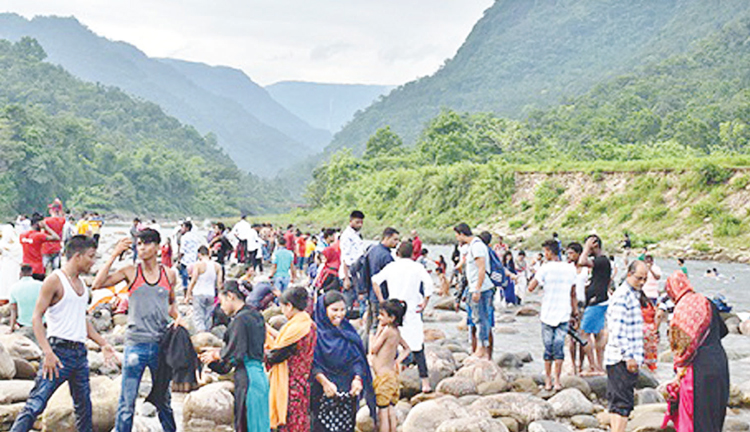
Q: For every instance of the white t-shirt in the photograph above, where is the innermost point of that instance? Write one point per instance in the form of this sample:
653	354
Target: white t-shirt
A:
582	279
242	230
477	249
557	278
352	247
405	278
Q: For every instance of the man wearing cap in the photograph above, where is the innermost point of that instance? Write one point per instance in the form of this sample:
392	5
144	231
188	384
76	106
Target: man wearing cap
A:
55	222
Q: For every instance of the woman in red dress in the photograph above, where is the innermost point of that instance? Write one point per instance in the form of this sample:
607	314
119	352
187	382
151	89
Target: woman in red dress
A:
289	361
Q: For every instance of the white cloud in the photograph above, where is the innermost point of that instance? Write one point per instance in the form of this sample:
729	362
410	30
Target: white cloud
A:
347	41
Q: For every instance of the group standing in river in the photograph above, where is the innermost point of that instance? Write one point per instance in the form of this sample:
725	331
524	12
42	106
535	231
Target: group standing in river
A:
316	370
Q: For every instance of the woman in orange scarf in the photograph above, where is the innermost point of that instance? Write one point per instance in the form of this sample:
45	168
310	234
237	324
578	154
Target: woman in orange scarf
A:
699	395
289	360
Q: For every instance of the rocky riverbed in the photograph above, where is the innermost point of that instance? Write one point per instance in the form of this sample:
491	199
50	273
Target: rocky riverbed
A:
471	395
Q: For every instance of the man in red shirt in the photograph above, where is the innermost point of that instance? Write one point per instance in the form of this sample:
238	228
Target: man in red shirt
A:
416	243
289	237
32	241
300	250
56	222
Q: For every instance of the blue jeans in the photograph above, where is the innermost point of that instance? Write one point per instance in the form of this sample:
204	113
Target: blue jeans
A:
136	359
482	316
74	370
182	268
280	283
554	341
203	307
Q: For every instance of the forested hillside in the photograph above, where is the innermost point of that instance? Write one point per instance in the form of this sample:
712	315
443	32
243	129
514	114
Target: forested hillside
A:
98	149
677	130
525	55
253	144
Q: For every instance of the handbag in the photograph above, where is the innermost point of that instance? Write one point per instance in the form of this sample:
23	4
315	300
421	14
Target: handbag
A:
337	413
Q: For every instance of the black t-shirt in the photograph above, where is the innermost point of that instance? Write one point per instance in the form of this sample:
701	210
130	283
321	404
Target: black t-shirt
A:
596	290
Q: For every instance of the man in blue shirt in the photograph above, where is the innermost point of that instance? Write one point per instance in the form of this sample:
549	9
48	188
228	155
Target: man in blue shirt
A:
23	297
378	257
282	271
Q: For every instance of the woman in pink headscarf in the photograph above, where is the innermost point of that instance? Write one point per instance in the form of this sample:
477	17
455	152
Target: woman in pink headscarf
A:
699	395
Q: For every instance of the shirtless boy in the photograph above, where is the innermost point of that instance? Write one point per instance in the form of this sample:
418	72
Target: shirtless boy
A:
385	362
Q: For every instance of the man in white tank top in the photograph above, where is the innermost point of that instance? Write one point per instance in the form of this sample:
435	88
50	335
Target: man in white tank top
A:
151	304
63	301
205	281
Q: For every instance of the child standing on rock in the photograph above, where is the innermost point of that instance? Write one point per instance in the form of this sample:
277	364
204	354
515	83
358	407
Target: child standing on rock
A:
385	363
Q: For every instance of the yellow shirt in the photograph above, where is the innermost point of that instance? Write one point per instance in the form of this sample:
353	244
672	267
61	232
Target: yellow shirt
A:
309	248
82	227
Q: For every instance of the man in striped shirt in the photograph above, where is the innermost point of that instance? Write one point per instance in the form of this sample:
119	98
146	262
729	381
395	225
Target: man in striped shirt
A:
624	352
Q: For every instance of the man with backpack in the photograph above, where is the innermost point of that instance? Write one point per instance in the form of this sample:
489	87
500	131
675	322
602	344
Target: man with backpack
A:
480	286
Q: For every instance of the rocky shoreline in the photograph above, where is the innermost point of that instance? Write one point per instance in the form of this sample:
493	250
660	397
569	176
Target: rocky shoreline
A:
471	395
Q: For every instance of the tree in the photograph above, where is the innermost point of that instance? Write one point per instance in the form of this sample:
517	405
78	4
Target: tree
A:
383	142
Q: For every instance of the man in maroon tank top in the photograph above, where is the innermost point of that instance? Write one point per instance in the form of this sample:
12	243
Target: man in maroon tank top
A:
151	304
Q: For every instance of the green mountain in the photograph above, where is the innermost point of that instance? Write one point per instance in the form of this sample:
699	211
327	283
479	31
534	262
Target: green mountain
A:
194	94
524	55
99	149
234	85
662	152
326	106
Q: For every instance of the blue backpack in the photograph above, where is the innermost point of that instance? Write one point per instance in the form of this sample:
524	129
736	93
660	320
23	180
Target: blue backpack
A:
497	271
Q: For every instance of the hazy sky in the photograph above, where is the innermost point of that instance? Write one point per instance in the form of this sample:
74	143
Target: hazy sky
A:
347	41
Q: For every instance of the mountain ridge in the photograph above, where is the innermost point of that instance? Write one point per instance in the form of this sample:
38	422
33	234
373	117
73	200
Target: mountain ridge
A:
100	60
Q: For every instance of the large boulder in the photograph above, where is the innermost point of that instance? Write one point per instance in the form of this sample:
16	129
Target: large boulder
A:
646	379
527	311
24	369
524	408
101	319
212	403
206	340
649	421
648	396
15	391
548	426
7	366
509	360
524	384
8	414
570	402
481	371
428	416
584	422
473	424
493	387
365	423
60	416
745	327
457	386
572	381
432	335
598	385
20	346
446	303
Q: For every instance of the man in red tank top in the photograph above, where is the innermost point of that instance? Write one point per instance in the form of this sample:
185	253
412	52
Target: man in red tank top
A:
151	303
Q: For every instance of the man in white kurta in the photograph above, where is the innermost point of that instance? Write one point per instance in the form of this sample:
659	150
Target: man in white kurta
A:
409	281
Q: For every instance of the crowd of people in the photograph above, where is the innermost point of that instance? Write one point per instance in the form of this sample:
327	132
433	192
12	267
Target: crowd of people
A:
353	317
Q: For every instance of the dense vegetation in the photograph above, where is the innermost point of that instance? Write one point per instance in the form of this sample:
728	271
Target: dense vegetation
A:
98	149
527	55
259	134
685	121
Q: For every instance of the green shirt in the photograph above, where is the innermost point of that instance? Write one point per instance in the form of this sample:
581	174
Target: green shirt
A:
684	270
24	294
283	259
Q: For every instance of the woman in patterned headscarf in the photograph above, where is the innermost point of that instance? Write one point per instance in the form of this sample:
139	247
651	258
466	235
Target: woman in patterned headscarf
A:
699	395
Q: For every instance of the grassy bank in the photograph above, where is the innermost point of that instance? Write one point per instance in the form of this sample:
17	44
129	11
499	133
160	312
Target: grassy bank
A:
697	208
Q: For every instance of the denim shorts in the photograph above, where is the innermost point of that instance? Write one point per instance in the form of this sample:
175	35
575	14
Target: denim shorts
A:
554	341
482	312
